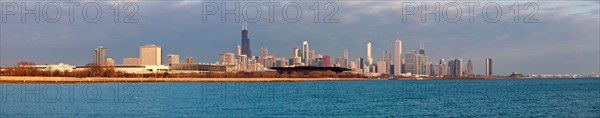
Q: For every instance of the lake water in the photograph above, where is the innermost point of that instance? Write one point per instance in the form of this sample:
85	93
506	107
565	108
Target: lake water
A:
375	98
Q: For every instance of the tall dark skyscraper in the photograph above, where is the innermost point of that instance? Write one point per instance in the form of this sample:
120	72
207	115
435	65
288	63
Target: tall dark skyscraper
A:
361	64
488	67
245	41
451	68
421	48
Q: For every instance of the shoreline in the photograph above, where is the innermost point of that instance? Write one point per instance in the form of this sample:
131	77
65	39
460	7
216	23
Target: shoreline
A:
22	79
74	80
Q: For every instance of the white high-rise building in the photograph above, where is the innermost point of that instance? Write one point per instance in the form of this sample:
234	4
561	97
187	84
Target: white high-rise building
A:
369	57
243	65
346	59
150	55
100	56
442	68
296	53
238	50
488	67
397	57
346	54
305	51
296	58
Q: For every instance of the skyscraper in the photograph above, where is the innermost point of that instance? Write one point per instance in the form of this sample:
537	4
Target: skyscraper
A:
458	68
369	57
311	58
305	50
346	54
238	50
100	56
354	66
150	54
436	69
346	59
172	59
402	65
388	62
428	68
326	61
361	64
296	57
412	62
264	53
422	67
397	57
421	64
243	63
488	67
451	68
311	54
296	53
442	68
245	41
422	49
469	71
381	66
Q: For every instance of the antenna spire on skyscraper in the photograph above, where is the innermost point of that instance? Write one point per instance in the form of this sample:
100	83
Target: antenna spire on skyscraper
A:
244	26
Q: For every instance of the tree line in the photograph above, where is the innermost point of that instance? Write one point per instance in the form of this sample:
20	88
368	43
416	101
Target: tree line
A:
25	68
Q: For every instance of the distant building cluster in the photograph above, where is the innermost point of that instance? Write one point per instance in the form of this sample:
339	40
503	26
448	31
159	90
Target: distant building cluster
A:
393	63
411	64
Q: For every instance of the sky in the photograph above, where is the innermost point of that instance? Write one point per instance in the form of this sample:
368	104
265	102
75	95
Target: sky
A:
558	37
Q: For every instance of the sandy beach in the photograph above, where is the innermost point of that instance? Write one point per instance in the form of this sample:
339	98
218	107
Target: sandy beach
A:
21	79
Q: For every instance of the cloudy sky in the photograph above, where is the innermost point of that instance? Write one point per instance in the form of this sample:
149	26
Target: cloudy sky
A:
564	39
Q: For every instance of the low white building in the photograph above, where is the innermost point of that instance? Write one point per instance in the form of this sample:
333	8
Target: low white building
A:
142	69
53	67
137	69
59	67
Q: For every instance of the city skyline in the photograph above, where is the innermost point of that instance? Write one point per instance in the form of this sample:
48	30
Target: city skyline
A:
518	51
299	58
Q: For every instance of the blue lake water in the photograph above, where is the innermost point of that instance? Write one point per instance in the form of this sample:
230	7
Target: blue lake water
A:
375	98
